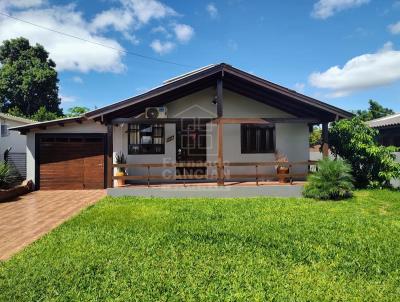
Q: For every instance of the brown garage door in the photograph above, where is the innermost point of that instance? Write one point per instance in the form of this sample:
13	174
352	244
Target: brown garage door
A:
71	162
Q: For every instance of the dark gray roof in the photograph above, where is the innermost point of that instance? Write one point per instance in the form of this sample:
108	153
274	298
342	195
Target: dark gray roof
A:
387	121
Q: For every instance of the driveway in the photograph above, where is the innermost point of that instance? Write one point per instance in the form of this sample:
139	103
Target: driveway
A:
31	216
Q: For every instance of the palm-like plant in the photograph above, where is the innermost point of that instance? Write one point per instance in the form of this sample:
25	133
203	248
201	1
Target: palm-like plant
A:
8	175
120	158
333	180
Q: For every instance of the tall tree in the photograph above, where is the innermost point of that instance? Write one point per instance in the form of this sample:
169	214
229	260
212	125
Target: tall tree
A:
375	110
28	79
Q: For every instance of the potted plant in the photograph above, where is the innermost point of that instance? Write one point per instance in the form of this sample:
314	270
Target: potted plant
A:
120	158
282	167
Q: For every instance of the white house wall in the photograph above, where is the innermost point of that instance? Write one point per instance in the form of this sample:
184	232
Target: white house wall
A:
199	105
291	141
15	140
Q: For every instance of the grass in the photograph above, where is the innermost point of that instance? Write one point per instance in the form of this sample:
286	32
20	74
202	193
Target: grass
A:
137	249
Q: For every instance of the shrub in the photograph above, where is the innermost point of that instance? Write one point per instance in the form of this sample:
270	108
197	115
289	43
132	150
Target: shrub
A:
373	165
333	180
8	176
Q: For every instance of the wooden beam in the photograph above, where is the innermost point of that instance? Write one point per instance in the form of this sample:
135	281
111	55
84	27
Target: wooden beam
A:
110	169
61	124
117	121
220	98
260	120
325	139
220	161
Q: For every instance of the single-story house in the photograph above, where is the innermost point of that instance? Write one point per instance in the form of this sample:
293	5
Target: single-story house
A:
215	123
389	134
389	129
13	141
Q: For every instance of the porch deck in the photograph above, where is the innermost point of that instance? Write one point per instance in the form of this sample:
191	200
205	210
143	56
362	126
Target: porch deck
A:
231	189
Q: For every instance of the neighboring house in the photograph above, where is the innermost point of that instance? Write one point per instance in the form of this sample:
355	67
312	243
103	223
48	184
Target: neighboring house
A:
389	129
216	117
389	134
14	140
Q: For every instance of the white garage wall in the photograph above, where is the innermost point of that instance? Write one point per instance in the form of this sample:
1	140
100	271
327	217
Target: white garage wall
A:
85	127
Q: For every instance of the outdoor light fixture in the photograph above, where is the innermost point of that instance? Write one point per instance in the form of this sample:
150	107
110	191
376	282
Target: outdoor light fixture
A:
215	99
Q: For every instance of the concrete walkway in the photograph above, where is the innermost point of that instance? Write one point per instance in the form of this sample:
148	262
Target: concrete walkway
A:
29	217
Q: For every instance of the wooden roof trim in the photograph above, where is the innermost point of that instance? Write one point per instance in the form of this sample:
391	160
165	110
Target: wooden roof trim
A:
285	91
44	125
167	87
222	68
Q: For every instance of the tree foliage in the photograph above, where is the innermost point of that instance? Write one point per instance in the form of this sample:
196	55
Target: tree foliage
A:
28	79
77	111
373	165
44	115
375	110
333	180
316	137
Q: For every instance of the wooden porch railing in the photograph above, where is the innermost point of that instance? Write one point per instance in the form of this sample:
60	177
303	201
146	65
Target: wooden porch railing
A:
256	176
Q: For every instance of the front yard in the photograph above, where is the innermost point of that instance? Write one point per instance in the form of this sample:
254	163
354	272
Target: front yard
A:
126	249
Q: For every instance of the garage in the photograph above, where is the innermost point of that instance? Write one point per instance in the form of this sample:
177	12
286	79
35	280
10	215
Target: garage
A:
70	161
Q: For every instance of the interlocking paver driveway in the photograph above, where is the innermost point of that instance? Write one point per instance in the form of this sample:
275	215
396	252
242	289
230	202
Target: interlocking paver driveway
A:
31	216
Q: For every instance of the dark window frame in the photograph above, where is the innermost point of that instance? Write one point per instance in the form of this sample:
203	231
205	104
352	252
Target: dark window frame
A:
136	134
254	139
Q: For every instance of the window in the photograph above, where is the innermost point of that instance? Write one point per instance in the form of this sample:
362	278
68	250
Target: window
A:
257	138
146	139
4	130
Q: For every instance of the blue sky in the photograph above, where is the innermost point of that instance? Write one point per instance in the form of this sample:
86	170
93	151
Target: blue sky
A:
343	52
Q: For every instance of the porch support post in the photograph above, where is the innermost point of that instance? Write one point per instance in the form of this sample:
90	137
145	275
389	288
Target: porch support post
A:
110	170
220	98
220	128
220	162
325	145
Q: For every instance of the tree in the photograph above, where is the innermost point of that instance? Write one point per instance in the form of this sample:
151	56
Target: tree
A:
43	115
373	165
77	111
375	110
28	79
315	137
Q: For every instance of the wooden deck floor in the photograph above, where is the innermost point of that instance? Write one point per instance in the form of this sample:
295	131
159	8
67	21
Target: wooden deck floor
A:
213	184
29	217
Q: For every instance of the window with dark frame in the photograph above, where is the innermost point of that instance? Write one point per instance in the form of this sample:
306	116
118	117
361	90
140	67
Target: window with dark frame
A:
257	138
145	139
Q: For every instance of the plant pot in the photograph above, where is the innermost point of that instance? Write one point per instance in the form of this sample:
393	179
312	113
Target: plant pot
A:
120	182
283	173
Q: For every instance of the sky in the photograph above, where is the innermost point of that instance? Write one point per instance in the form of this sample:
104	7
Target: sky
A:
343	52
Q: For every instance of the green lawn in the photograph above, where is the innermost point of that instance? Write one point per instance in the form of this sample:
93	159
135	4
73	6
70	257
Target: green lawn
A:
137	249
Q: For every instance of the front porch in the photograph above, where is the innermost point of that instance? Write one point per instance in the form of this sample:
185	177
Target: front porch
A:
218	182
207	189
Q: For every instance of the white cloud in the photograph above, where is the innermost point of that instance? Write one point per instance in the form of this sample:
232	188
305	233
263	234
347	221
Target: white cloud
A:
145	10
324	9
77	80
183	32
395	28
67	99
67	52
118	19
162	47
212	10
21	3
299	87
124	17
360	73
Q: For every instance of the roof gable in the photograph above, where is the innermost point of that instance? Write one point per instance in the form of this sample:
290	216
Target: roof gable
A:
233	79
